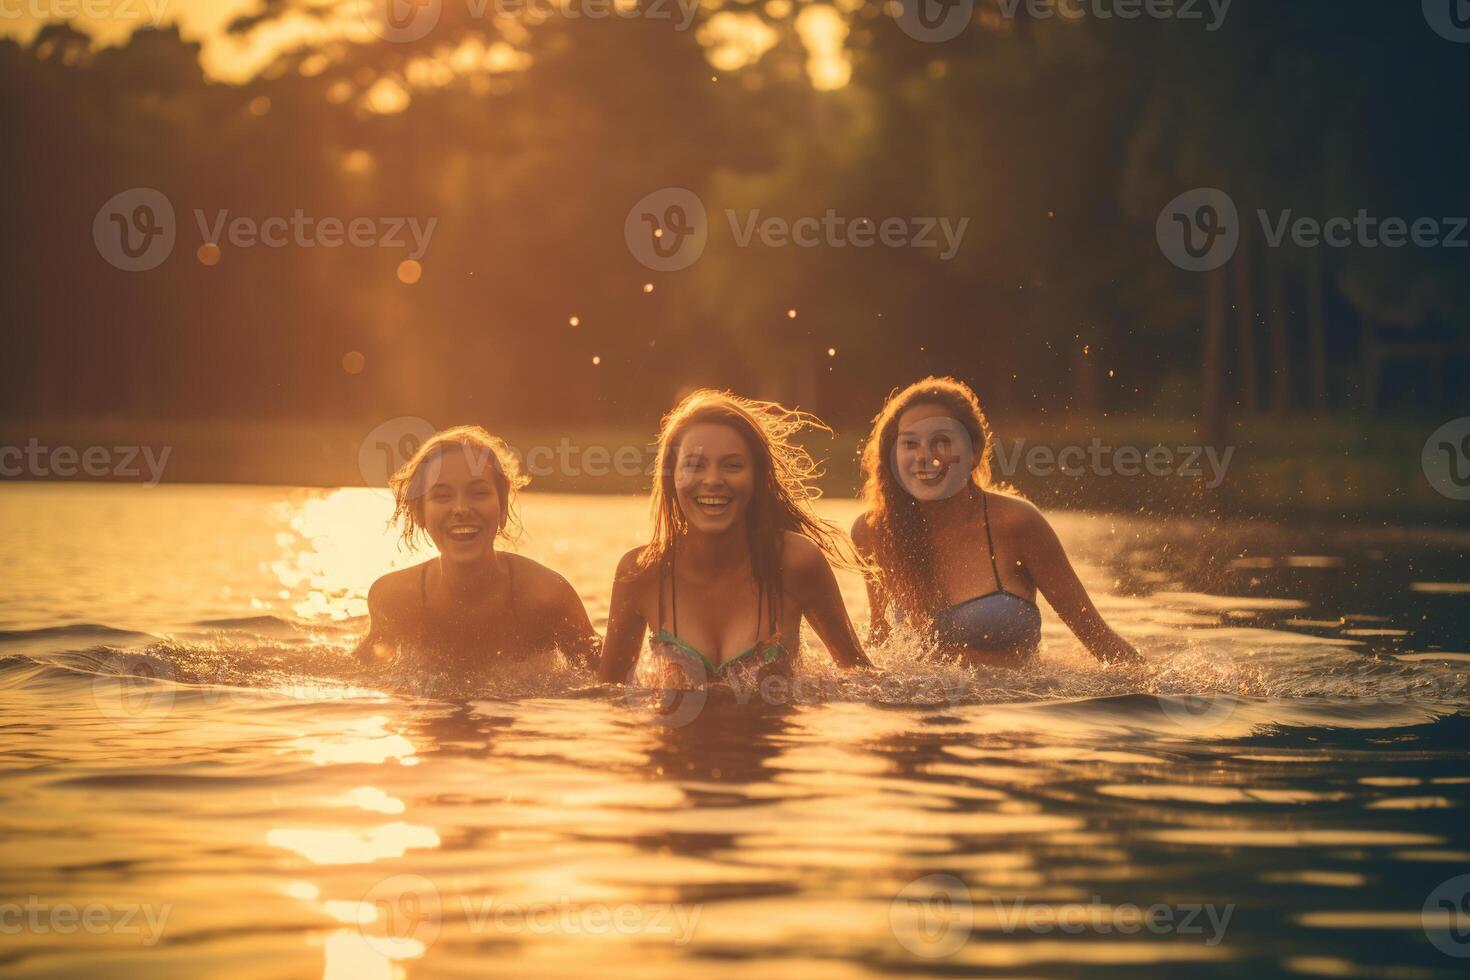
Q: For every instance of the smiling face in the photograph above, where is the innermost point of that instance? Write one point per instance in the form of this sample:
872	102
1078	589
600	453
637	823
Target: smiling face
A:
461	506
714	477
933	453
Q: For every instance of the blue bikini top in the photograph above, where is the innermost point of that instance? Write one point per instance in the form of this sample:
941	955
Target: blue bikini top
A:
996	622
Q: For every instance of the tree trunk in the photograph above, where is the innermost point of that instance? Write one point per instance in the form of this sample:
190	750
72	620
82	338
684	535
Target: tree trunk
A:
1245	327
1280	338
1316	332
1212	389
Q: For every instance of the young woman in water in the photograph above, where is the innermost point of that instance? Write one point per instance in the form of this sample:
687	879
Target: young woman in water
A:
952	553
473	602
737	558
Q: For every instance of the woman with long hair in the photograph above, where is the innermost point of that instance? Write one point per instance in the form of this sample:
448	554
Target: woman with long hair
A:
949	549
472	602
736	558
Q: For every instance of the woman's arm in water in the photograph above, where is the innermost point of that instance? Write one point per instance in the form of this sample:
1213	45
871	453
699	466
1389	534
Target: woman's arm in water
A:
625	624
862	541
383	627
571	630
1047	563
812	583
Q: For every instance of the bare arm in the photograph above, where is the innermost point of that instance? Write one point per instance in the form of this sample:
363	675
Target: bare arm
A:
383	631
571	630
878	626
815	586
1051	570
626	626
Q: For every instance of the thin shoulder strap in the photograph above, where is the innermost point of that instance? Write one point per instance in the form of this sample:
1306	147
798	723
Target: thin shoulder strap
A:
990	541
424	585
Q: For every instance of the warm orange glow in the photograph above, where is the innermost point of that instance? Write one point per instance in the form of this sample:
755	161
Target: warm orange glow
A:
409	271
208	254
353	362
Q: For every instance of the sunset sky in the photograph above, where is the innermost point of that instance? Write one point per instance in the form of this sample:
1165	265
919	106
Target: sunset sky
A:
733	39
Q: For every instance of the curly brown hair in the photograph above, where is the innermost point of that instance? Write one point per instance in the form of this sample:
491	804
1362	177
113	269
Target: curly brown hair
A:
902	554
483	451
785	475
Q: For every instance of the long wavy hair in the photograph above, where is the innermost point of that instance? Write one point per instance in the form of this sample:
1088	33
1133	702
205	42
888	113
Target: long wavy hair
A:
485	452
785	485
903	552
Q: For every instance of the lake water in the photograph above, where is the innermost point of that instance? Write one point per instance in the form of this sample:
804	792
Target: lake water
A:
197	782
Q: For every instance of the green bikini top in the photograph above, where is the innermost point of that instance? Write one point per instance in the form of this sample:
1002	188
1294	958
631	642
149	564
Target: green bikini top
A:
765	651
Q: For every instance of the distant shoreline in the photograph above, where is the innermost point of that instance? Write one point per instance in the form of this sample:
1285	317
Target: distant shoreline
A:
1341	469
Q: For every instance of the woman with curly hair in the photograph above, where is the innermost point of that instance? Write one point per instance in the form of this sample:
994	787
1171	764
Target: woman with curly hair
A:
472	602
953	552
737	558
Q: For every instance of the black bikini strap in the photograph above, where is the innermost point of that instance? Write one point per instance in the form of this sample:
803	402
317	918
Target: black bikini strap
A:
990	541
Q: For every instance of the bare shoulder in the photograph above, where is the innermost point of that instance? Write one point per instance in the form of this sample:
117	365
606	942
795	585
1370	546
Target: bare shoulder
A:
398	591
539	586
862	532
800	556
630	566
1015	515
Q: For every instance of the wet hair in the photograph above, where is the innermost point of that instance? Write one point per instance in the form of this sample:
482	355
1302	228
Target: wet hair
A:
902	553
483	452
785	489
